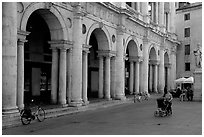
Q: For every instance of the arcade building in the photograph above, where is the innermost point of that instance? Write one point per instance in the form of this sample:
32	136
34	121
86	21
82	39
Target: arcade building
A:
67	53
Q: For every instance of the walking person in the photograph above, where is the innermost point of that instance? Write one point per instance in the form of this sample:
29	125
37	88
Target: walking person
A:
168	98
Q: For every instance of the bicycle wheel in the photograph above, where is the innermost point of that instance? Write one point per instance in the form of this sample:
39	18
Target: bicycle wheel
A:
40	115
25	119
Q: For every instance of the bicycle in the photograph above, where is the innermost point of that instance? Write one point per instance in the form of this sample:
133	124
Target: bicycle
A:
140	97
27	115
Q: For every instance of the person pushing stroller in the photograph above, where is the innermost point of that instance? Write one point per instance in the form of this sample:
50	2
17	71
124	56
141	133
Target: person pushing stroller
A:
168	99
164	104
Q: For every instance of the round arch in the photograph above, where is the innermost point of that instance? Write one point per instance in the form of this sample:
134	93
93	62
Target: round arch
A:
133	42
102	34
166	58
152	52
52	17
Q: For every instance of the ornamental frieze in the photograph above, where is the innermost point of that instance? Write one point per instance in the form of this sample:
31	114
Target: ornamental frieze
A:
154	37
134	28
102	12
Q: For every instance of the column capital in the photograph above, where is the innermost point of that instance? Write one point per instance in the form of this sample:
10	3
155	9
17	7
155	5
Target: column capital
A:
168	65
154	62
22	34
106	53
61	44
86	48
135	58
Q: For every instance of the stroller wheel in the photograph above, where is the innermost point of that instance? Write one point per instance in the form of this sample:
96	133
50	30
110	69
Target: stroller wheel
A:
156	113
162	113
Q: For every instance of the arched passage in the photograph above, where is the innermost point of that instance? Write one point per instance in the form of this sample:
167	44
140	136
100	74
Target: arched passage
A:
153	71
98	65
131	68
43	26
166	69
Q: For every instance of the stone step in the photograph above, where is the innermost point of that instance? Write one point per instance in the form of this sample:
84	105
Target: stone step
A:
14	119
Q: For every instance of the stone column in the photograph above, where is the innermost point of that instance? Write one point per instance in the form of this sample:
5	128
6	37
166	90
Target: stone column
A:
20	68
54	75
100	92
155	78
161	70
112	77
69	70
168	75
173	68
161	13
120	67
150	77
145	65
107	77
172	17
145	11
77	57
131	77
138	6
84	73
157	12
137	73
62	77
9	57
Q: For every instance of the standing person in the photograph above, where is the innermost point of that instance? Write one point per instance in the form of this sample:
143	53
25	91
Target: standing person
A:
168	97
190	94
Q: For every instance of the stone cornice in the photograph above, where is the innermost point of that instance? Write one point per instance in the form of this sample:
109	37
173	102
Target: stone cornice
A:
154	62
168	65
22	35
61	44
135	59
86	48
106	53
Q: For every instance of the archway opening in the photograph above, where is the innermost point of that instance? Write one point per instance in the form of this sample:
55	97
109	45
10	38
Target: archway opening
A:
166	66
130	60
37	60
99	42
151	70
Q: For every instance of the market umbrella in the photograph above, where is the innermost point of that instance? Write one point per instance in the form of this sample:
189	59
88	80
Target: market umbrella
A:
180	80
189	80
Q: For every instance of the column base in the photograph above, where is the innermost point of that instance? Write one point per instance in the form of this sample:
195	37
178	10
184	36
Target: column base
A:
7	111
100	96
76	103
108	99
85	103
120	97
21	107
64	105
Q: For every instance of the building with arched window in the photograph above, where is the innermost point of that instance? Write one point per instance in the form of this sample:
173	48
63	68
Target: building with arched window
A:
67	53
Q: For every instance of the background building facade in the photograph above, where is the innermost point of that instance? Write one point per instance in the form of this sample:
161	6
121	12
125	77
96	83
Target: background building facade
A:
189	52
189	31
67	53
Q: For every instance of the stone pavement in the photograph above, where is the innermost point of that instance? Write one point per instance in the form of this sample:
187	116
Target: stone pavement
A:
124	119
56	111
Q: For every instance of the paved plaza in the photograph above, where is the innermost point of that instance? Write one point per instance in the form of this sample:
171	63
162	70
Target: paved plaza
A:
124	119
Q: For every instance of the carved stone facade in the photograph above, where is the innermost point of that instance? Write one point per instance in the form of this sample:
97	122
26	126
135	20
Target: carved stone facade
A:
85	50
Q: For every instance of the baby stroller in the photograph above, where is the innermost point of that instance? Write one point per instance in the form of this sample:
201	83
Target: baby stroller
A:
163	108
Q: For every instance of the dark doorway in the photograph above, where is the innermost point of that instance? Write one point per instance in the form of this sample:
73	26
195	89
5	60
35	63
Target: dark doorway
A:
38	60
93	68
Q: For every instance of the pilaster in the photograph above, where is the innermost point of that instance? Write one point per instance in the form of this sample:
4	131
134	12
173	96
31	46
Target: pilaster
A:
77	58
20	68
84	74
120	66
9	57
100	92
